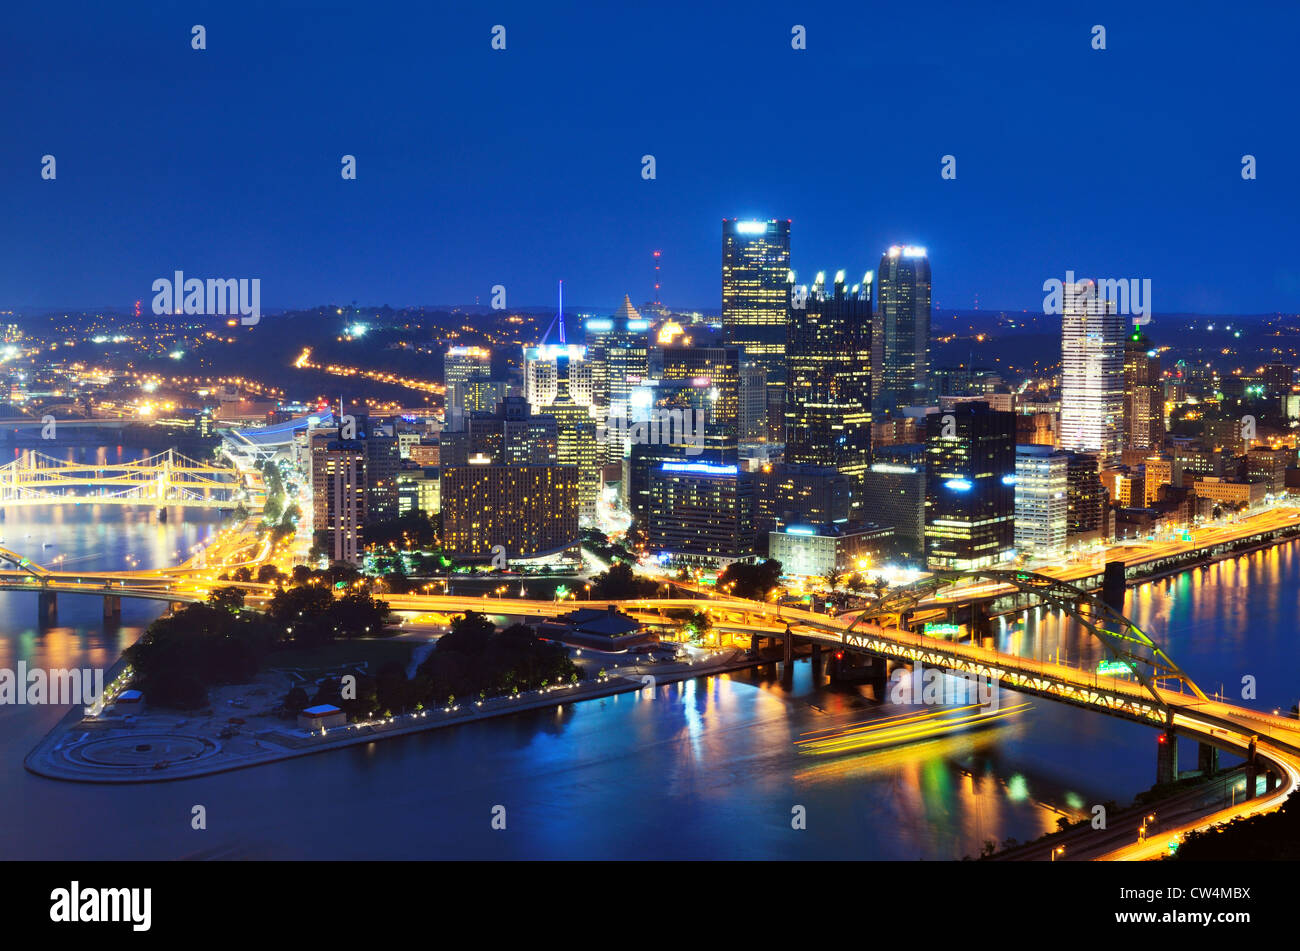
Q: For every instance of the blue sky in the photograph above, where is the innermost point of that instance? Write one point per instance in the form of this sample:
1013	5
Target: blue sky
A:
477	167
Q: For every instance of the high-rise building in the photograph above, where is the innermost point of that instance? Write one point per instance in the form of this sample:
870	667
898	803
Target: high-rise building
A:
893	495
1144	397
753	403
530	511
1092	373
717	371
461	365
338	480
511	436
828	383
790	494
702	513
1086	499
970	456
902	339
755	289
1042	500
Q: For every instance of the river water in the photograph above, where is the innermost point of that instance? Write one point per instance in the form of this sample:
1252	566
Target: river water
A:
703	769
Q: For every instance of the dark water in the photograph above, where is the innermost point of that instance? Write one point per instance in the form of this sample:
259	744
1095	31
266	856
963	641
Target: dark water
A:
707	768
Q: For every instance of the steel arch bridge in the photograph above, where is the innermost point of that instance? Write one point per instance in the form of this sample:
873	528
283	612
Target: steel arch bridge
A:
163	479
1124	641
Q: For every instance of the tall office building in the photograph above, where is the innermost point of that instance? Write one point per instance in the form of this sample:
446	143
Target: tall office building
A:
716	370
1144	397
755	290
338	481
512	436
1086	499
1092	373
701	513
460	367
828	387
619	345
1042	500
970	458
894	496
902	342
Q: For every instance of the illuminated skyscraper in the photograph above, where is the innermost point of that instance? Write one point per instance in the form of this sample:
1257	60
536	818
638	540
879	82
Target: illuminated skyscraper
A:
460	366
970	459
828	387
902	346
1144	406
755	274
1092	373
1042	500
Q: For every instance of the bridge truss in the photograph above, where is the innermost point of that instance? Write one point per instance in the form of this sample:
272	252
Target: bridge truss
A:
162	479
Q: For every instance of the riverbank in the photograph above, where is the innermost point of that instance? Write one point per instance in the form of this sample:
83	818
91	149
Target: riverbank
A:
117	750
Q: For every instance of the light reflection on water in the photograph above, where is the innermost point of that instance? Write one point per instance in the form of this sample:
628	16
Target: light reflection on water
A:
708	768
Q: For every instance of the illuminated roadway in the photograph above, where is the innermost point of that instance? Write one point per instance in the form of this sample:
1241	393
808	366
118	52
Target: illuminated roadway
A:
1207	720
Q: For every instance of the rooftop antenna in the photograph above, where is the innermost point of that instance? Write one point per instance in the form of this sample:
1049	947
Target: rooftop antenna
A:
559	314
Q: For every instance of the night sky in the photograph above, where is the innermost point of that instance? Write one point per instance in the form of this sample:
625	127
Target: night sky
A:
477	167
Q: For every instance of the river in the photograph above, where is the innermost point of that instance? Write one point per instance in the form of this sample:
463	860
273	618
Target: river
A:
702	769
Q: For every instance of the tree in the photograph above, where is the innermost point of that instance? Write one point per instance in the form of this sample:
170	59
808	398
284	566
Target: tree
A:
751	581
469	634
619	582
295	700
232	599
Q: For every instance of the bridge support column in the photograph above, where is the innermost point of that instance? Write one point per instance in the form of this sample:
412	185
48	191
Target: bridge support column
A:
787	666
1167	758
1113	586
47	607
1252	770
162	514
816	661
113	607
1207	759
1270	780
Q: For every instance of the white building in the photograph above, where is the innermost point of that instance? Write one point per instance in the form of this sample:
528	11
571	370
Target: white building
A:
1042	496
1092	373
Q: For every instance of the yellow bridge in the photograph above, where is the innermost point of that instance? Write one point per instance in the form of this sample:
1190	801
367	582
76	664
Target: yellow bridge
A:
163	479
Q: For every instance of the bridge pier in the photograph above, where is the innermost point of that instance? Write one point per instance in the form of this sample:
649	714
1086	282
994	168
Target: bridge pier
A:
1113	586
1167	758
1252	770
162	514
47	608
113	607
787	666
816	661
1207	759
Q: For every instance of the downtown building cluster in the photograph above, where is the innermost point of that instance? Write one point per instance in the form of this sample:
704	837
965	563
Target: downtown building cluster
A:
808	423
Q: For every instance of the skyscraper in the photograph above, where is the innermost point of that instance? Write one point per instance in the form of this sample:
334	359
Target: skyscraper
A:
460	366
755	274
970	460
1144	398
903	330
1042	500
828	387
1092	373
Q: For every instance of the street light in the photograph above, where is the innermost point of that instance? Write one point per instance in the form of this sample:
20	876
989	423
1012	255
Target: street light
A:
1059	850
